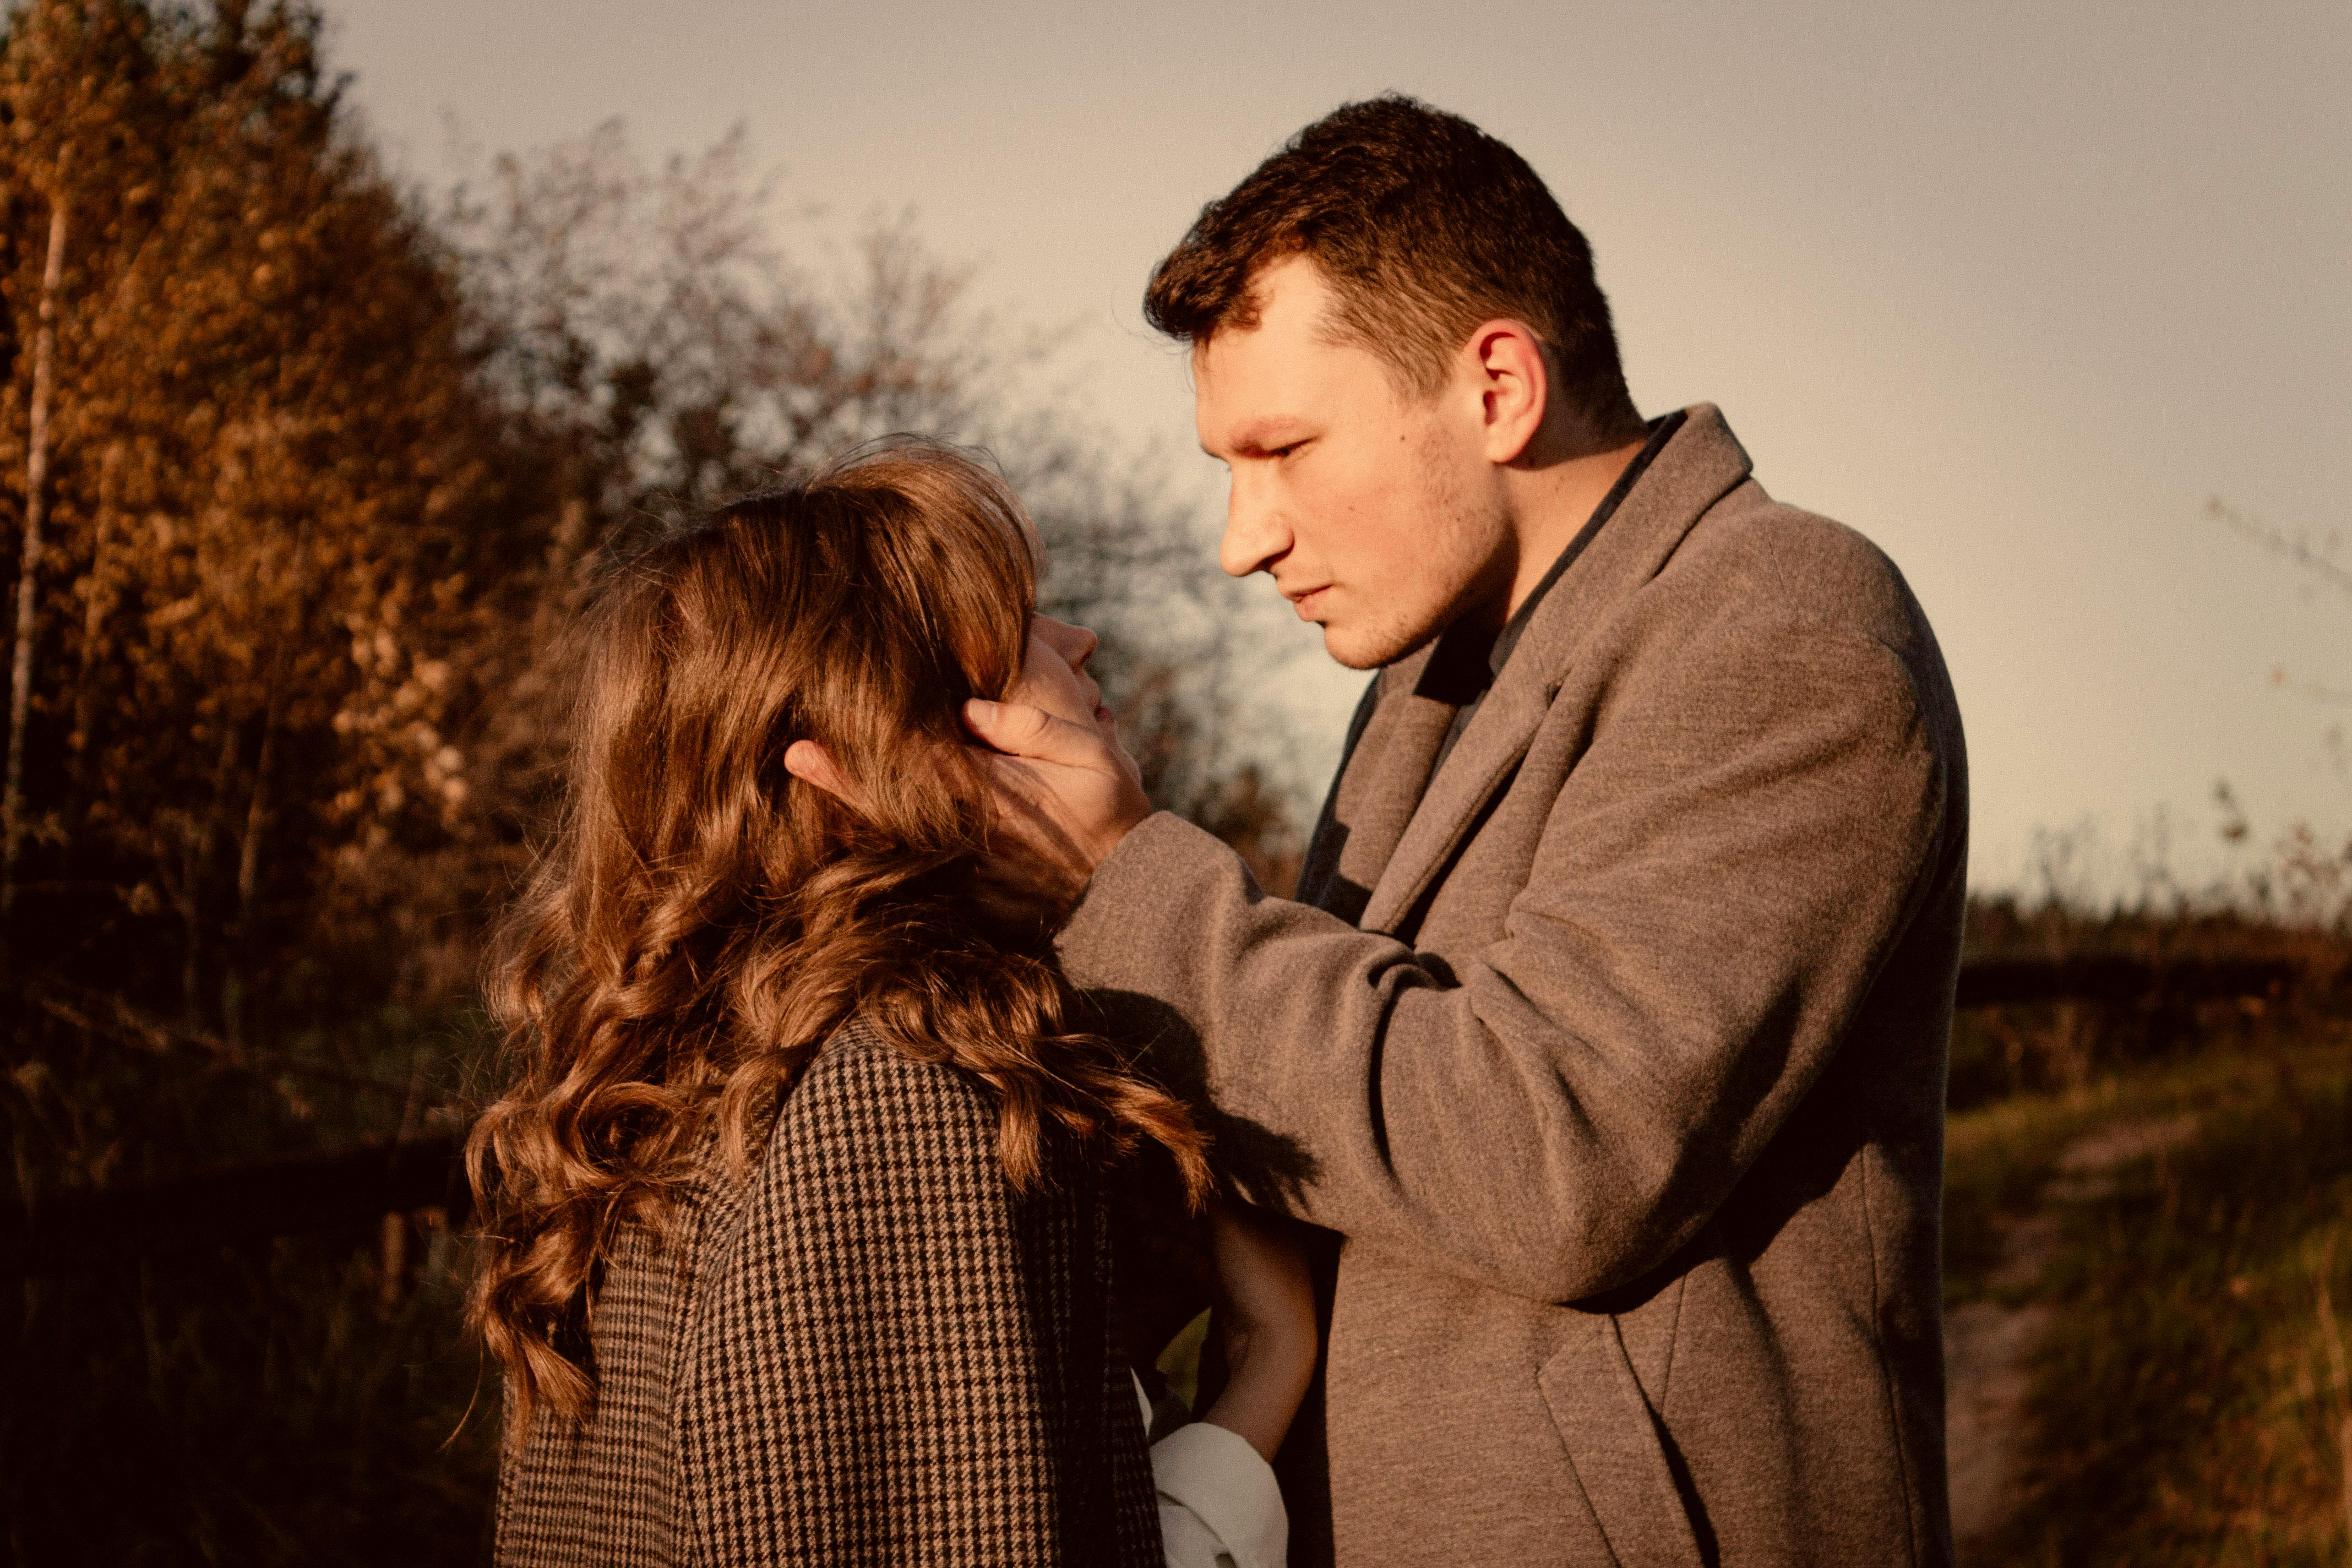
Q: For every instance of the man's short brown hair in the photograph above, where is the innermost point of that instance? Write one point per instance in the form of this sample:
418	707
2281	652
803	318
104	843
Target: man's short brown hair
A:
1427	227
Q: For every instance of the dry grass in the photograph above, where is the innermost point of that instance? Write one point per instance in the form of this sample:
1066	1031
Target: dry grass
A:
2190	1400
259	1405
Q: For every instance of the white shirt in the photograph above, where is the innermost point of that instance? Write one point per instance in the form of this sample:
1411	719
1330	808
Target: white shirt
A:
1219	1506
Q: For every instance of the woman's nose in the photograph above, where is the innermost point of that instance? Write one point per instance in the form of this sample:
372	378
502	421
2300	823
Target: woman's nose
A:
1076	644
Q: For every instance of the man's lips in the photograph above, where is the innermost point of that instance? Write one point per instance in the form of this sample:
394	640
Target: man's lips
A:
1304	599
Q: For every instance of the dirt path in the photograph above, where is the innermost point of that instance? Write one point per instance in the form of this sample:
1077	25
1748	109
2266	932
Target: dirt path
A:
1989	1344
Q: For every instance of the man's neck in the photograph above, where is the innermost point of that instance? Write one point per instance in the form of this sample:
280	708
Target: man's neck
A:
1550	503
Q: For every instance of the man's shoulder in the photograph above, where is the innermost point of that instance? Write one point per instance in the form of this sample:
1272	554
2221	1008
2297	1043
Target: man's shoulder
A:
1762	558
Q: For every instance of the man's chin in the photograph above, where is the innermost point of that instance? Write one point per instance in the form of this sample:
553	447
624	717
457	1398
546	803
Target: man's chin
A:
1358	648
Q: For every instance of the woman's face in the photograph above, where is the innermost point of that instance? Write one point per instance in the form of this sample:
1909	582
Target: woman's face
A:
1053	675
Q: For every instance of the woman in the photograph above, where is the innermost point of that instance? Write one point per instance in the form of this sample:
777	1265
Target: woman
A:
798	1250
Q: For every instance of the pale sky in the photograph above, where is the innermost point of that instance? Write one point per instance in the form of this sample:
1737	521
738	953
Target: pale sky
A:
2013	290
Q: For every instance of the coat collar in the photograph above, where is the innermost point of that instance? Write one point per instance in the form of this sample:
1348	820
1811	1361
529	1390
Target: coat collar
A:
1699	464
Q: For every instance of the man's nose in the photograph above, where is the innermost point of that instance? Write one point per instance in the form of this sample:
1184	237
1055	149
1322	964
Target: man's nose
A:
1256	535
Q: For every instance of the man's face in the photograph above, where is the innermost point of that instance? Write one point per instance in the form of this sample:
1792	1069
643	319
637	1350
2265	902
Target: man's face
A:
1376	515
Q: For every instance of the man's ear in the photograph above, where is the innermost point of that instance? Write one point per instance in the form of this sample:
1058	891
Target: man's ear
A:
1516	383
811	764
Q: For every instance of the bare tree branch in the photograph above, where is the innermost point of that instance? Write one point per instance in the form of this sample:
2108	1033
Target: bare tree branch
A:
2320	563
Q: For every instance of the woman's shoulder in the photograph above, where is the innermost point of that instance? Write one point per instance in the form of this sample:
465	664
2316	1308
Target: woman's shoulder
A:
871	1115
884	1167
861	1071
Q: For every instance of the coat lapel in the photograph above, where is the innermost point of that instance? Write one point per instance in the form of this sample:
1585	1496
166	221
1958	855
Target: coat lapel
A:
1698	465
1380	780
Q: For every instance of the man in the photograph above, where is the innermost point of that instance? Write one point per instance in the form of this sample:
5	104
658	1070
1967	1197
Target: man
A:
1608	1028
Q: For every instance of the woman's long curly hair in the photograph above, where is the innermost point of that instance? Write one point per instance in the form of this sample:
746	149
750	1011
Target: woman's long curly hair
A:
702	922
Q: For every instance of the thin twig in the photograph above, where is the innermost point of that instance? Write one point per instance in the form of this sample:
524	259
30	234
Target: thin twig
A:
37	471
2323	567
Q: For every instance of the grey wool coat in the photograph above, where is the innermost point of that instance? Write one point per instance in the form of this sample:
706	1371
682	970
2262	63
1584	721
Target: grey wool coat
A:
1614	1055
870	1352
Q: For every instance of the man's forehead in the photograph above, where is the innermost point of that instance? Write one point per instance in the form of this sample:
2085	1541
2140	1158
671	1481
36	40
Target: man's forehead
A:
1287	295
1278	344
1246	389
1256	382
1232	342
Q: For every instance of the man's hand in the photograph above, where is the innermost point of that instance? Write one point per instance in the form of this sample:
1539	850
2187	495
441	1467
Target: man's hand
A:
1065	795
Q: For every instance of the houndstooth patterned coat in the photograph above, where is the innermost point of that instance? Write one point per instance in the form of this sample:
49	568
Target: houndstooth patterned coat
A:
870	1353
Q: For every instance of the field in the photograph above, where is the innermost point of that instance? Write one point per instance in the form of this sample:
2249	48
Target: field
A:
2148	1245
2164	1254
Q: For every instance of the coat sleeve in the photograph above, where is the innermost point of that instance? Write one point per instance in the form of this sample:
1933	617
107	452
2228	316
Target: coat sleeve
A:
899	1359
1737	849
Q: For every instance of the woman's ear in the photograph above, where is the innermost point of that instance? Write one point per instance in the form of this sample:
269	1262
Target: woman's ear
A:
813	764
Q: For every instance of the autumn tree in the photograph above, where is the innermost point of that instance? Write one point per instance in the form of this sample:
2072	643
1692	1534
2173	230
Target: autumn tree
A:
267	492
273	496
